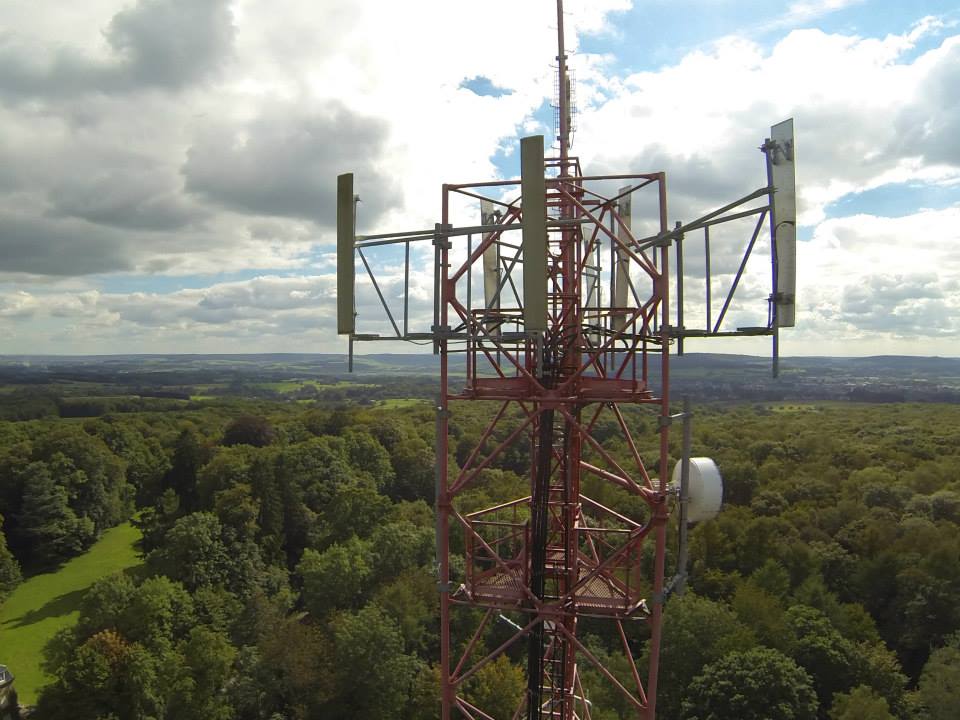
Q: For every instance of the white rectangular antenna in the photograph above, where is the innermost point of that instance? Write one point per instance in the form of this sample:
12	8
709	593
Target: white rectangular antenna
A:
621	283
491	267
782	175
345	259
533	187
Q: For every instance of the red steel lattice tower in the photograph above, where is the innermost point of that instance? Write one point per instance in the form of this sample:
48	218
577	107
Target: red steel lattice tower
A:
572	327
556	553
554	363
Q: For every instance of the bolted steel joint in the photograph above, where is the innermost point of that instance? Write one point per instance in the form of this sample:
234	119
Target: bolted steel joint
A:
441	238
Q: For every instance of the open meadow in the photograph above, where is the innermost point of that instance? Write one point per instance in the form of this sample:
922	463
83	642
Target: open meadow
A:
49	602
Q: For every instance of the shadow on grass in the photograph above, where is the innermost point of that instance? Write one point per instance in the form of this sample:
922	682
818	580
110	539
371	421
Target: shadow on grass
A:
68	602
57	607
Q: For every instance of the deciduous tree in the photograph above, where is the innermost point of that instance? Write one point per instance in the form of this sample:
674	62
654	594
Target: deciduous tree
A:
248	430
9	567
939	689
861	703
696	632
498	688
374	674
336	578
757	684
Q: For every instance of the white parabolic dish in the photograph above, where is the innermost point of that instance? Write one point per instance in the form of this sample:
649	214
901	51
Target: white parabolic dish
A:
705	489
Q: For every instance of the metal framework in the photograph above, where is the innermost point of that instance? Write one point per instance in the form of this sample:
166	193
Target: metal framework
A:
540	562
545	560
573	325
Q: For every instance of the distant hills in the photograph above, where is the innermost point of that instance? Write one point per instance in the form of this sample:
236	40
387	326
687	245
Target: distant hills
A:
704	376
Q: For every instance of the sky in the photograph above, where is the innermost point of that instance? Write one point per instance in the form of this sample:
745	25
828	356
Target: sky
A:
168	167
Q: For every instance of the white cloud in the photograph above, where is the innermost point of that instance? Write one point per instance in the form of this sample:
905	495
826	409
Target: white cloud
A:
242	316
873	280
141	156
864	117
156	133
869	112
810	9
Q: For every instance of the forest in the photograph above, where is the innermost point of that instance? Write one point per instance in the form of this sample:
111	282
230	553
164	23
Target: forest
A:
288	562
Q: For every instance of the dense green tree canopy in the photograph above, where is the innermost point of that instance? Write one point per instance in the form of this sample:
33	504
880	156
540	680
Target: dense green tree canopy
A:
295	578
697	631
374	674
249	430
861	703
758	684
938	694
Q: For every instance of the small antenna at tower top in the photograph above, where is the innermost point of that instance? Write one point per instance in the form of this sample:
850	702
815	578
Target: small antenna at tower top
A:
563	93
570	89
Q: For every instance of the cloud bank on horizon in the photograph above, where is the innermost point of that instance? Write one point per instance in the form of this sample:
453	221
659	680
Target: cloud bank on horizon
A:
168	167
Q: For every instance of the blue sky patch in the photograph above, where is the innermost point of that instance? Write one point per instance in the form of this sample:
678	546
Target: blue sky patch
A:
164	284
662	33
484	86
895	200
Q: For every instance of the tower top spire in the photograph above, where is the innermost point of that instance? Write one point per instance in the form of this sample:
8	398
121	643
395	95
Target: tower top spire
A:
563	84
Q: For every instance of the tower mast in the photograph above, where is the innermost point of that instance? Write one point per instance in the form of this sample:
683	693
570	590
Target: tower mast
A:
564	85
565	373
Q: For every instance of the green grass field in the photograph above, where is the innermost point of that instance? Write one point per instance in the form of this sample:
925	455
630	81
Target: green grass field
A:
395	403
44	604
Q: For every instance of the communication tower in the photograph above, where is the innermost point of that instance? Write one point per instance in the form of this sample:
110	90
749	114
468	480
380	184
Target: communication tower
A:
557	309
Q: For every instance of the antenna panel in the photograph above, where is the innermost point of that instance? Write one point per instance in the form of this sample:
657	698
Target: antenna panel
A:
345	259
491	266
783	179
622	281
533	187
491	260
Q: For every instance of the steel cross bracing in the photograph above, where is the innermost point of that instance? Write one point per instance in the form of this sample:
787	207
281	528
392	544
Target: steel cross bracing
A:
556	555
